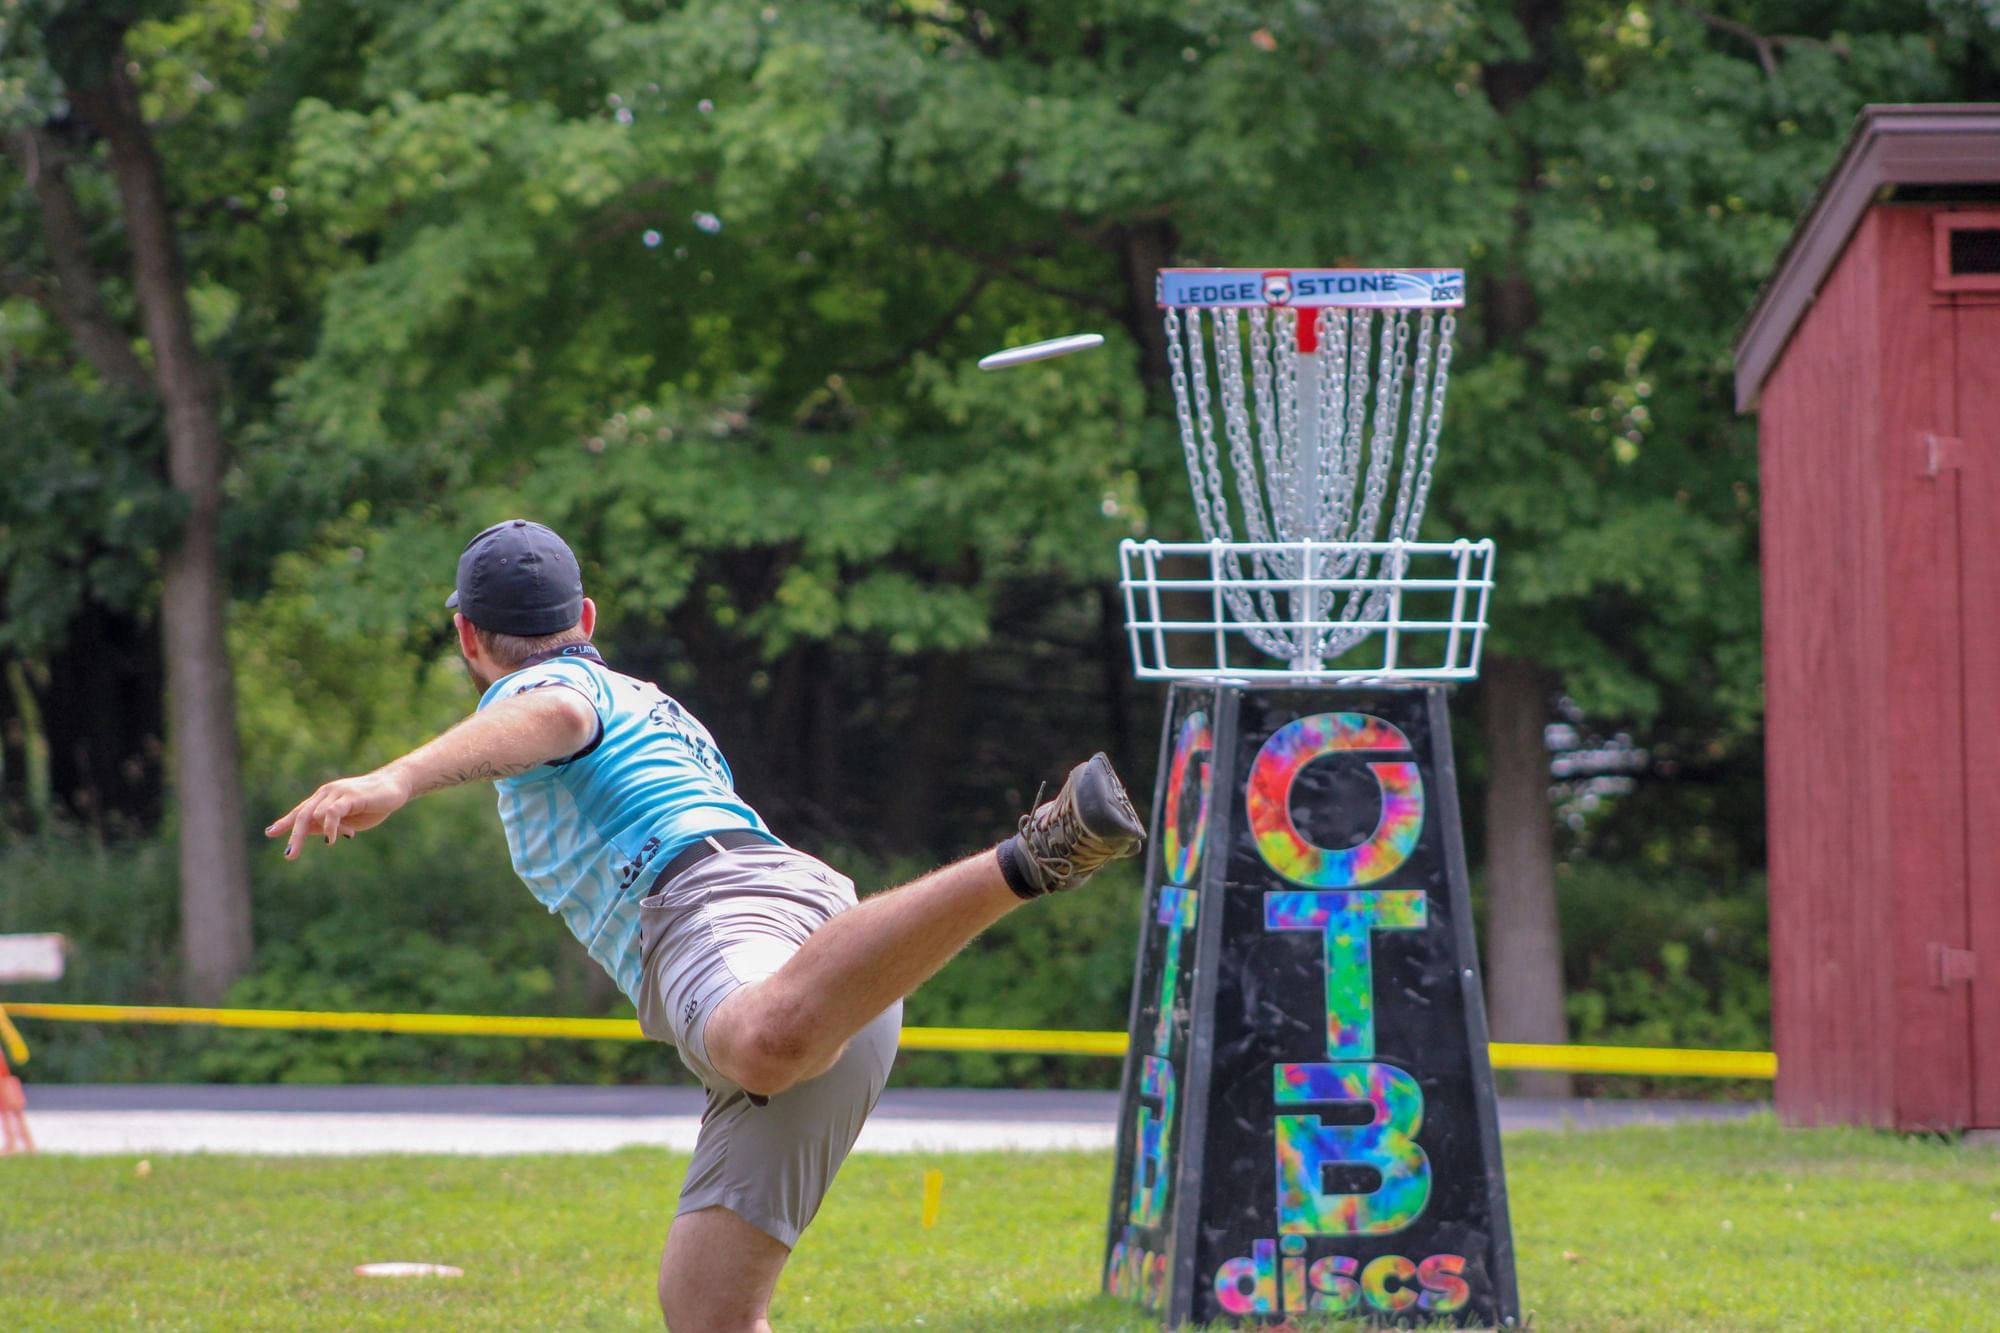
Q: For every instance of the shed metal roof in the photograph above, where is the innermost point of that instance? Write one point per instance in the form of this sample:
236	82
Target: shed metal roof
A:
1893	146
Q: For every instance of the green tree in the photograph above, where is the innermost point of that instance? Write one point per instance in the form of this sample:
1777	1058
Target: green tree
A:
1657	155
131	126
705	287
702	285
717	284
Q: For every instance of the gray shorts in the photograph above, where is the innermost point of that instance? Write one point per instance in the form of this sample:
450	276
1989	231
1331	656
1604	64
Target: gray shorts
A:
732	919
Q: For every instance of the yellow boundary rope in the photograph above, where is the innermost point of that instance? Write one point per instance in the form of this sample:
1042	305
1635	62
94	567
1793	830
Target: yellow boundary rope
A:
1655	1060
1666	1060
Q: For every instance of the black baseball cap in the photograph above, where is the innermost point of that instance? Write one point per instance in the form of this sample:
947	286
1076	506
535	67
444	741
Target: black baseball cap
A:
518	577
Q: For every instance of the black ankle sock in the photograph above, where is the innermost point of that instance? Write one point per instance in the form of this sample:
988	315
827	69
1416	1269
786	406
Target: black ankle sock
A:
1010	870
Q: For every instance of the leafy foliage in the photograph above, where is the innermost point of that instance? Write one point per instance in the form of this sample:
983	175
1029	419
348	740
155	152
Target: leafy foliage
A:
701	285
1662	961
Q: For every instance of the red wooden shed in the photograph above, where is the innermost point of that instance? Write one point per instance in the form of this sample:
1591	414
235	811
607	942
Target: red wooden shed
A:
1872	358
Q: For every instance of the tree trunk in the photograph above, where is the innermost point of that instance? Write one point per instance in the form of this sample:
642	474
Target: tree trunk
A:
1524	981
1148	248
201	695
73	299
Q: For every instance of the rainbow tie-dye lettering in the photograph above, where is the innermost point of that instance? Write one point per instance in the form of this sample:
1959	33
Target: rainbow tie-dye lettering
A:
1345	921
1149	1197
1277	767
1306	1147
1135	1273
1183	858
1377	1282
1177	912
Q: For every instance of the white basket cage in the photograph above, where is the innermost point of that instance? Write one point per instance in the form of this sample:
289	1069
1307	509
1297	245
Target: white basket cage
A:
1181	625
1325	390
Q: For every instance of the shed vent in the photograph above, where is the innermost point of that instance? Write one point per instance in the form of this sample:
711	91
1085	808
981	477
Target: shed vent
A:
1966	251
1975	250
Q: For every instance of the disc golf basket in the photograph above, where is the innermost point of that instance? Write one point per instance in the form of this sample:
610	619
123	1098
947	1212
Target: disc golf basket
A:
1307	1121
1325	390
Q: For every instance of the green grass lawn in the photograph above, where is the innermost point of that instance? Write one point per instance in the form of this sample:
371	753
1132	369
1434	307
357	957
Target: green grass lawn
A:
1733	1227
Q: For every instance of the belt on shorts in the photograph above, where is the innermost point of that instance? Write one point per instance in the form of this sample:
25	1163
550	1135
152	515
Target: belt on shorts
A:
701	849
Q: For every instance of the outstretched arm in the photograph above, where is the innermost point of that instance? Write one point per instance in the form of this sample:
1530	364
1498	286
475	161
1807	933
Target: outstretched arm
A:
511	737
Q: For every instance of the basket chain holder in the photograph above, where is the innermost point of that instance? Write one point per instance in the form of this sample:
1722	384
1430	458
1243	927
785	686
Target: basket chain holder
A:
1323	387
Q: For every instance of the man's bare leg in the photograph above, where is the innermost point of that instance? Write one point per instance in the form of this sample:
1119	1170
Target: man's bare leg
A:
792	1025
718	1271
717	1274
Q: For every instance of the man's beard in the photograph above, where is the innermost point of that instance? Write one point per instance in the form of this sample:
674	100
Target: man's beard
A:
479	683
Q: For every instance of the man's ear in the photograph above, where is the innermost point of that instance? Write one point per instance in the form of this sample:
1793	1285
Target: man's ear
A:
468	640
589	620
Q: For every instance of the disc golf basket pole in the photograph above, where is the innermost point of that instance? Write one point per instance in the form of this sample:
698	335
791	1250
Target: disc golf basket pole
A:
22	958
1307	1122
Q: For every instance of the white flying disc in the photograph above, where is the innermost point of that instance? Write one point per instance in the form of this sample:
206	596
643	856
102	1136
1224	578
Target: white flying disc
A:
407	1270
1041	351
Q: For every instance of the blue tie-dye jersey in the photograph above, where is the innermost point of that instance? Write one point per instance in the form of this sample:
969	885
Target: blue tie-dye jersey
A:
583	832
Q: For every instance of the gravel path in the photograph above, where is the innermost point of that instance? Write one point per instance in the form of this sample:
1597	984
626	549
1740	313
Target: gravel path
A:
135	1118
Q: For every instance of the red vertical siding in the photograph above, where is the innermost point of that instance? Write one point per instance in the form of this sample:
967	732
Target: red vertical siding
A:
1977	384
1832	1017
1919	698
1882	658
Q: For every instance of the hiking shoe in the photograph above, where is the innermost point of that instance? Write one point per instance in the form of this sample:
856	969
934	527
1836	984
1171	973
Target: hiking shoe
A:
1063	842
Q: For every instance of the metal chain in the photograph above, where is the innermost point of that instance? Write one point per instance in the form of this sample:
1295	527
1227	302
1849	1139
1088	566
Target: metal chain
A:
1286	483
1236	415
1412	442
1388	405
1364	604
1271	565
1277	375
1229	362
1177	359
1388	383
1342	517
1389	411
1329	408
1335	443
1306	489
1407	500
1446	327
1357	422
1267	427
1236	598
1219	511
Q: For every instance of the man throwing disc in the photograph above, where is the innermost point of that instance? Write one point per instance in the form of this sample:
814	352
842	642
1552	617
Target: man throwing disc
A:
783	994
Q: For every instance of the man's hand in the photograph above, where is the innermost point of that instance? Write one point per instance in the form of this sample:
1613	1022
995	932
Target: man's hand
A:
348	805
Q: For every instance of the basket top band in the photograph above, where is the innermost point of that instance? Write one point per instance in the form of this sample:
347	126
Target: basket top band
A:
1311	288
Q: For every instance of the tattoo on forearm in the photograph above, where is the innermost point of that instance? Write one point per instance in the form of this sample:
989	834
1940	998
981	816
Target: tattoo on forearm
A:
483	771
